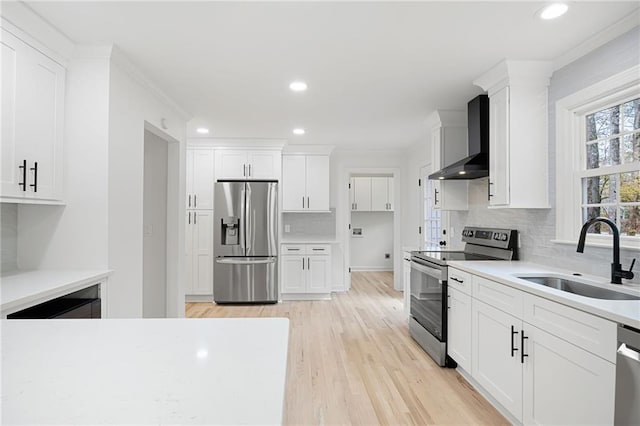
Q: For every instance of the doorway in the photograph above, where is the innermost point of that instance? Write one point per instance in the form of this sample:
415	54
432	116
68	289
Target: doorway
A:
155	201
434	222
372	241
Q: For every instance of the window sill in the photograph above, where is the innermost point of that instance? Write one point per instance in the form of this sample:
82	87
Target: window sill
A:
623	245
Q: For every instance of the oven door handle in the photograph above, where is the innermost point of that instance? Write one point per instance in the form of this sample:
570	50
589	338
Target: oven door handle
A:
432	272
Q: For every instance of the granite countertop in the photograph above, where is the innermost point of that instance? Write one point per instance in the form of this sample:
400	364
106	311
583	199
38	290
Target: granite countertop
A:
144	371
22	289
622	311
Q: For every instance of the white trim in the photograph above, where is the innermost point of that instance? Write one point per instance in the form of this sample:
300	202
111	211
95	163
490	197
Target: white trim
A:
237	143
308	149
371	269
569	147
120	59
622	26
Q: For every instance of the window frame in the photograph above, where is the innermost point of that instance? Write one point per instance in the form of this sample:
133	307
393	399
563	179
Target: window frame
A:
571	112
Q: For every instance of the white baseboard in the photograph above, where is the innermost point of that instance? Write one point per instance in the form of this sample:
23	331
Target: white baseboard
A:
371	269
198	298
305	296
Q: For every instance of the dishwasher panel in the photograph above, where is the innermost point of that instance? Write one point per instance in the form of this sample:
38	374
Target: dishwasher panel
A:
627	411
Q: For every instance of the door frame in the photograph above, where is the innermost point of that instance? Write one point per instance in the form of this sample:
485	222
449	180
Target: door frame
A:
176	163
397	215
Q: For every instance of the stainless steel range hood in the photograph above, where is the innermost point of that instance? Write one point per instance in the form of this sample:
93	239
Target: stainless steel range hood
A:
476	165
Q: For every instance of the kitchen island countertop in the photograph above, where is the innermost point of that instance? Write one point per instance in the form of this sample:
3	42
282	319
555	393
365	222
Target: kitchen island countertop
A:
144	371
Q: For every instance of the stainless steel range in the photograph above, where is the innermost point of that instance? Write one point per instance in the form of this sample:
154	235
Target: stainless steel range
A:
429	275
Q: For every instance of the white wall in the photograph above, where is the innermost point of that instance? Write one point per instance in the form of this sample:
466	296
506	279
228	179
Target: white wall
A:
8	237
131	105
368	251
154	288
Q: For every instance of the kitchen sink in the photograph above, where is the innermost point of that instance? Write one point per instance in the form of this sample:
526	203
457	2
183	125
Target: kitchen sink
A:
579	288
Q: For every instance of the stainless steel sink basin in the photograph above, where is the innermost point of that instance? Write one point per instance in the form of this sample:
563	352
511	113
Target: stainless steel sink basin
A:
579	288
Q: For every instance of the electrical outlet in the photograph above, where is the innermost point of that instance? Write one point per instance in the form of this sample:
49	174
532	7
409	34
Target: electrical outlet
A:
387	255
287	228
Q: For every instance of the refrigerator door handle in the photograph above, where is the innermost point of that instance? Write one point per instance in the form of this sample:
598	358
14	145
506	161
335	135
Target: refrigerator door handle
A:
242	225
247	220
243	261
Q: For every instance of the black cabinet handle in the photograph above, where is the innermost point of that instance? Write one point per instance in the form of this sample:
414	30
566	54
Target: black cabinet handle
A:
462	282
249	169
308	263
489	190
34	169
244	170
23	184
195	221
522	354
189	200
308	203
189	222
513	349
195	200
303	263
303	201
435	196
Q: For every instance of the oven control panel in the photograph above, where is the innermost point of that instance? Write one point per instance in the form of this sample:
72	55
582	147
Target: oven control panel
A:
492	237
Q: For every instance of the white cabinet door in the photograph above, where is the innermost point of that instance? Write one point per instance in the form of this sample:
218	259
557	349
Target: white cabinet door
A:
379	194
203	252
362	194
264	164
499	148
390	192
317	178
459	328
33	89
10	173
318	274
202	180
293	270
493	363
231	164
293	182
188	251
564	384
189	179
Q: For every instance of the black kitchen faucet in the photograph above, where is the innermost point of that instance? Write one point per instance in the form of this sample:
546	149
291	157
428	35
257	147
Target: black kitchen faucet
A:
617	273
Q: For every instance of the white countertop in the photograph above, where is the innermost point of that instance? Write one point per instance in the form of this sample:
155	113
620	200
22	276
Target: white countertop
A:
22	289
144	371
621	311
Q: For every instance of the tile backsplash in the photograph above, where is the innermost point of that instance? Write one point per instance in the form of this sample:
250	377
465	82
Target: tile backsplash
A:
309	225
9	236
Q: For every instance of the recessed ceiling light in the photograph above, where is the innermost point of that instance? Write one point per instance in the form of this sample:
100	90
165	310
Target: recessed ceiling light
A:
298	131
298	86
462	172
553	10
441	177
202	130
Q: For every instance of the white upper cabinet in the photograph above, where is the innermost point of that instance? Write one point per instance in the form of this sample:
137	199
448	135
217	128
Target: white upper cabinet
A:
305	183
200	178
33	88
448	145
381	193
518	156
250	164
371	193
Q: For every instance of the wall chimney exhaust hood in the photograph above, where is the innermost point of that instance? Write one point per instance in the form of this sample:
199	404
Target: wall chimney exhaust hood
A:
476	165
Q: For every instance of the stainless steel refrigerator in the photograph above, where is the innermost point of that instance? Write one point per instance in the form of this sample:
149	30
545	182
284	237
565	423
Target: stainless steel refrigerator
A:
245	242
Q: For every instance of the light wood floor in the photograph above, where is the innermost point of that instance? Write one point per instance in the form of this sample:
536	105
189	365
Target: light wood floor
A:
352	361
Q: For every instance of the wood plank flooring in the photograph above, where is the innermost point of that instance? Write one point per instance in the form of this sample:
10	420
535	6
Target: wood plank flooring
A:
352	361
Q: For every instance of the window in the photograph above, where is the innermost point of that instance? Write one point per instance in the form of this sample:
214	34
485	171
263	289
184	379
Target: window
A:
610	179
598	160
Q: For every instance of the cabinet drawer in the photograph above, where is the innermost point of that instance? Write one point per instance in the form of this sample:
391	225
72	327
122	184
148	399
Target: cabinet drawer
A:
293	249
584	330
319	249
459	280
498	295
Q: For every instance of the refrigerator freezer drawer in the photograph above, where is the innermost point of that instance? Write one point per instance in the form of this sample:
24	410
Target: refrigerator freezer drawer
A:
246	280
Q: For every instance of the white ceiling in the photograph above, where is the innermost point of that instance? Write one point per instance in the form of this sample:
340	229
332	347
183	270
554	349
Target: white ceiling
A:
375	70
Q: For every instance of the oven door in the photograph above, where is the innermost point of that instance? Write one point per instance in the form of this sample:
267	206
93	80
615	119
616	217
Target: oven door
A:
427	295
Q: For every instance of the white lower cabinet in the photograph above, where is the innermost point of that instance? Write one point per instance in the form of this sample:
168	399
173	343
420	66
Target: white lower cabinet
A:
564	384
305	271
459	328
495	366
542	362
199	253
